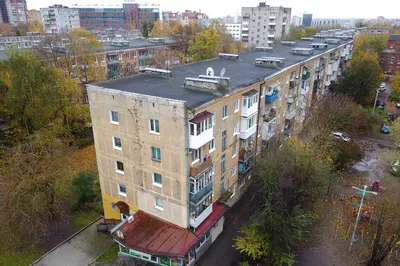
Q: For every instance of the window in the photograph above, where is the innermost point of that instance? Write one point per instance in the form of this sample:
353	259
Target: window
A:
154	126
114	117
200	127
224	140
223	163
122	190
232	190
128	55
242	182
251	122
211	145
236	128
119	167
225	112
197	184
119	56
233	171
244	102
134	54
117	143
234	151
222	185
158	203
197	155
157	180
95	60
155	154
236	106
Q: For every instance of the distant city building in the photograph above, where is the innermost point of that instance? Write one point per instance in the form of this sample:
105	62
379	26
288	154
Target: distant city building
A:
34	15
297	21
307	19
129	15
59	18
390	57
263	25
319	22
193	16
234	29
14	12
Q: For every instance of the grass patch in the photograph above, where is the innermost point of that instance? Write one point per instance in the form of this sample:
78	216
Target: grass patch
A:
81	218
110	255
25	257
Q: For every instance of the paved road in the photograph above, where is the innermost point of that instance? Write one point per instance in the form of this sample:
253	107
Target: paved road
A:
379	141
80	250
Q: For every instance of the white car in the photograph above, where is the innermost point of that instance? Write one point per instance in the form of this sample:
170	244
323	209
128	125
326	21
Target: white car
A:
398	105
341	136
382	87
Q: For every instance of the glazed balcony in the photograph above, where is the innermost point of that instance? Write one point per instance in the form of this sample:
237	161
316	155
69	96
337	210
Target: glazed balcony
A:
272	97
201	130
195	198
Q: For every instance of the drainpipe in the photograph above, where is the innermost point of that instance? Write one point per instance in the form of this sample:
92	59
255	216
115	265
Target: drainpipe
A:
258	119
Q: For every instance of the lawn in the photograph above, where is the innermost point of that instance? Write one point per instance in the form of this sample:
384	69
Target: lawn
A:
25	257
110	255
81	218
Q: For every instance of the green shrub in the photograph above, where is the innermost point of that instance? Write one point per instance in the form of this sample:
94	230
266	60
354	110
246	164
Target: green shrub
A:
83	142
347	154
86	188
73	204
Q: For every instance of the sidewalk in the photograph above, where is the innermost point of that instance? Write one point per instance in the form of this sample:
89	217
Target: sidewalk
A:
80	249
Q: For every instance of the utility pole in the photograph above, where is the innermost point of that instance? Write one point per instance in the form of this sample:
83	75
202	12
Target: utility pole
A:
364	192
376	98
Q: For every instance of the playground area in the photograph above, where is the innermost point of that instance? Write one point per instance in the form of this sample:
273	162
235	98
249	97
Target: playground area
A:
328	241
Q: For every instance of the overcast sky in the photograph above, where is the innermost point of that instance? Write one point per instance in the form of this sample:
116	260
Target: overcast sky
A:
219	8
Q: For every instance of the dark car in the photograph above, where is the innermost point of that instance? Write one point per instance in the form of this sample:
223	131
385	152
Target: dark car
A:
380	104
390	116
385	129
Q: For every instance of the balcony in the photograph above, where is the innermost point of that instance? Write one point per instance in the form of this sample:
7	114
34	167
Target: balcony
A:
320	68
245	35
195	198
328	82
197	169
271	35
143	57
290	113
114	74
112	62
249	103
272	97
196	221
329	69
306	75
245	166
201	130
268	128
245	134
294	82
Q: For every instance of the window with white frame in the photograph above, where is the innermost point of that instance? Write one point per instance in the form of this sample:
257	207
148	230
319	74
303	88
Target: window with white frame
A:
198	128
197	155
225	112
114	117
200	182
236	106
128	55
122	190
157	180
233	171
154	126
119	56
117	143
251	121
158	203
134	54
211	145
223	163
234	151
155	154
236	128
119	167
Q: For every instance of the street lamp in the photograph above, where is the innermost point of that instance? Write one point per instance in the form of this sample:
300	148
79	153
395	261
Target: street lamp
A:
376	98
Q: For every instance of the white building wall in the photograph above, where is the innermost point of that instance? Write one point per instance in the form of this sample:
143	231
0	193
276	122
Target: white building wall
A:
59	19
235	30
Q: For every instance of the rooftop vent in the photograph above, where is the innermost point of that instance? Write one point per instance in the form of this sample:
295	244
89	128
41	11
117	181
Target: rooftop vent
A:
158	71
228	56
303	51
201	84
307	39
272	62
157	40
319	46
265	48
288	43
222	81
333	41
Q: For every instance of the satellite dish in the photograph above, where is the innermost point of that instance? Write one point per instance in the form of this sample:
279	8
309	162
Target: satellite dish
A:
222	72
210	71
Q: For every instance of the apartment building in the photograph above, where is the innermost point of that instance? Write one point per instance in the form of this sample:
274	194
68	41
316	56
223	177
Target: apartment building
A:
176	148
127	16
59	18
265	25
307	19
30	40
390	57
234	29
14	12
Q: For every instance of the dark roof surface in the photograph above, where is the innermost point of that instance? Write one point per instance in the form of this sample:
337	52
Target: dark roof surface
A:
137	43
242	72
154	236
394	37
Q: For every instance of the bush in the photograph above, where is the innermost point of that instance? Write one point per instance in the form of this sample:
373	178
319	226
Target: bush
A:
86	187
347	154
83	142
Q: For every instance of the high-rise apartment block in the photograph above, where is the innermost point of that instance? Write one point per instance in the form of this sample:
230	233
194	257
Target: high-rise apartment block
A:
14	12
59	18
307	20
176	148
265	25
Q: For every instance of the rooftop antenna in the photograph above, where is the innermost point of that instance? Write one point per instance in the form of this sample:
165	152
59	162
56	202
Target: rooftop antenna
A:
210	71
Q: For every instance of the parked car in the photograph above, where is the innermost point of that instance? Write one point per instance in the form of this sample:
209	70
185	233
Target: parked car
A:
340	135
390	116
385	128
398	105
382	87
395	168
380	104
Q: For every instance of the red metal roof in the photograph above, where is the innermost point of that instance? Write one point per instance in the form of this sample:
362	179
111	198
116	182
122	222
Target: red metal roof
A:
153	236
200	117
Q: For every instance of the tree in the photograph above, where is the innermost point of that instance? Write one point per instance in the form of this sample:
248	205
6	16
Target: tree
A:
147	27
237	47
5	28
361	79
161	29
310	31
395	88
395	128
182	35
85	187
365	43
35	26
295	33
33	189
162	58
21	29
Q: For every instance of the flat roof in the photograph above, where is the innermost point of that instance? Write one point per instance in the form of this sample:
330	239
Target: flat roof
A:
242	73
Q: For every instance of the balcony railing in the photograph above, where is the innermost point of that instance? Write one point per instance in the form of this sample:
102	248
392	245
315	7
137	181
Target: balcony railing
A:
195	198
143	57
196	221
245	167
112	61
272	97
114	74
290	113
293	83
245	155
201	167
